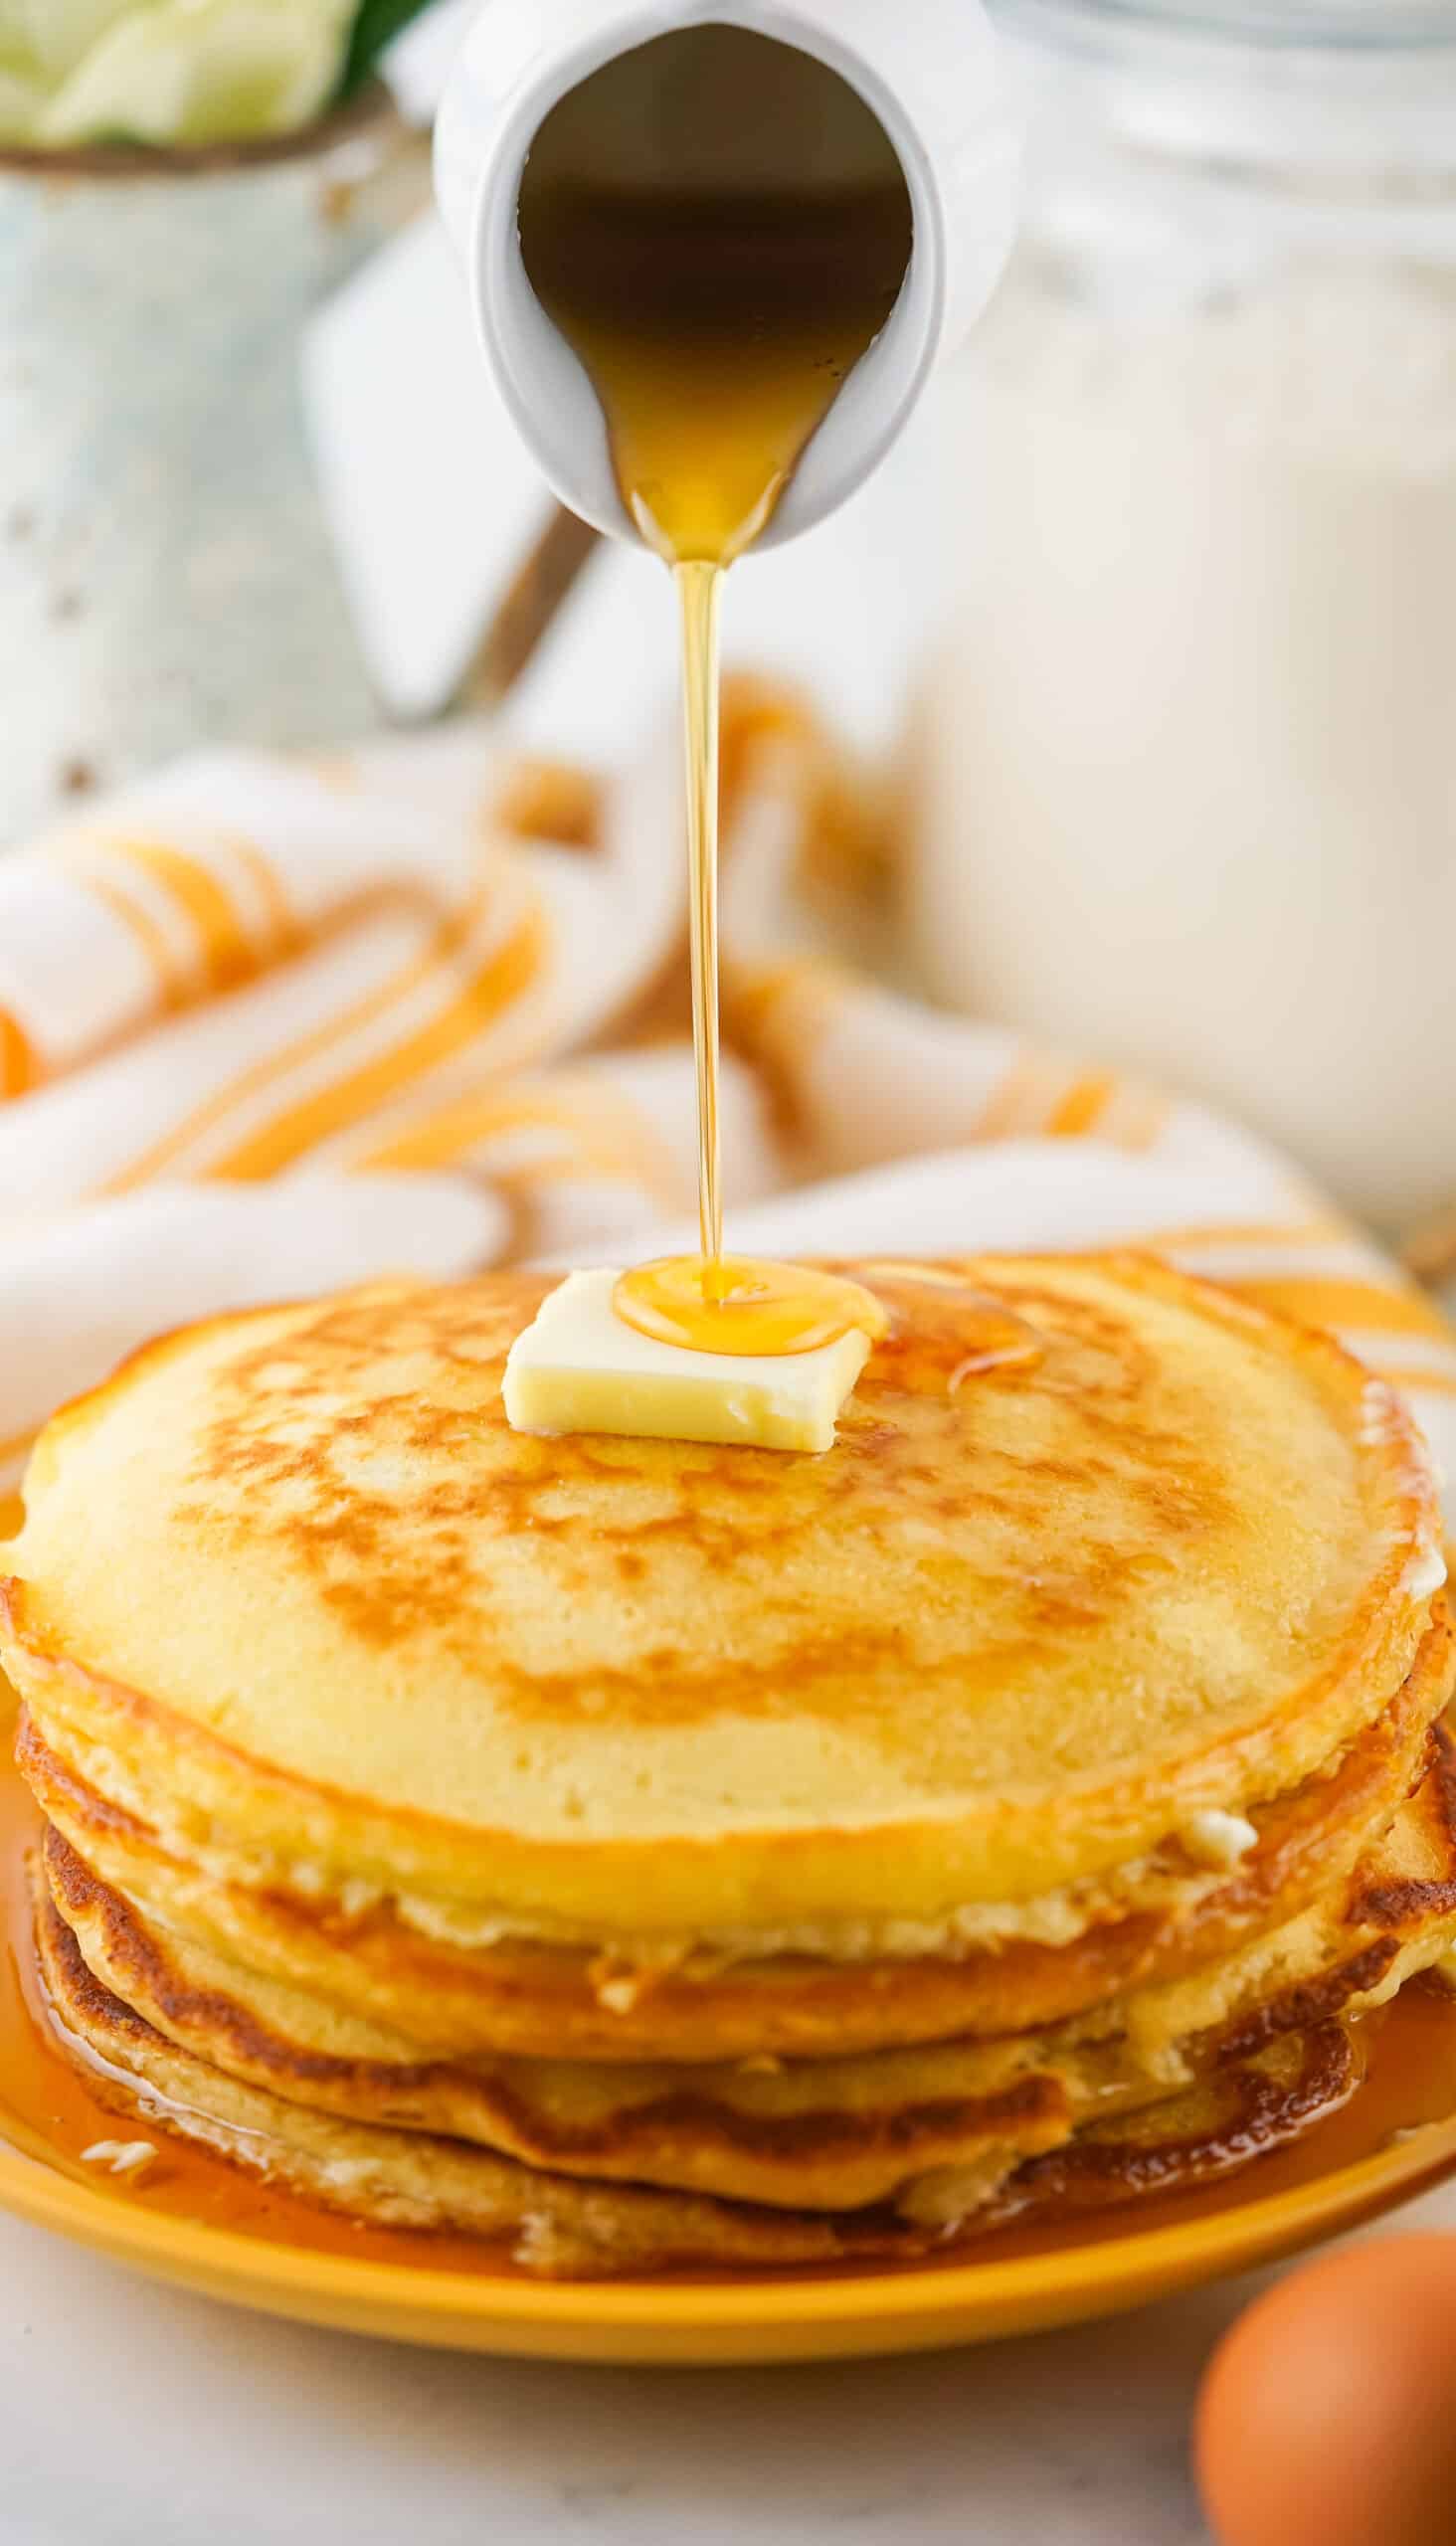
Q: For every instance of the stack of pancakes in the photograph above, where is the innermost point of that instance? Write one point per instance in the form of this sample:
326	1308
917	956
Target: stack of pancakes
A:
659	1856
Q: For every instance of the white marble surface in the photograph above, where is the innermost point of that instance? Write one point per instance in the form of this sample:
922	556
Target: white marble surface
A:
133	2416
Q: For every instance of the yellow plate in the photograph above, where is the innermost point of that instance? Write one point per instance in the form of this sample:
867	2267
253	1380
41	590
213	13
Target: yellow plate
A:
1099	2271
711	2322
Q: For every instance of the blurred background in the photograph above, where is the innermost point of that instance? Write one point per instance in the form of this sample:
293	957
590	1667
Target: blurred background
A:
1151	620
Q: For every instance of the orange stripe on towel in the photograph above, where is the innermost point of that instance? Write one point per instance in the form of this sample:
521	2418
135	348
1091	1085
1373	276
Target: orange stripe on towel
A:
229	955
1254	1233
174	987
444	945
1417	1383
285	931
1084	1101
20	1067
1333	1301
496	987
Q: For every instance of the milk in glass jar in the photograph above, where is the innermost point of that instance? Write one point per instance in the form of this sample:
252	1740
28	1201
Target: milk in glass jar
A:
1189	750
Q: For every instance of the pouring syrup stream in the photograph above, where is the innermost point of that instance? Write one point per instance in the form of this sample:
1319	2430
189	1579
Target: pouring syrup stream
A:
718	286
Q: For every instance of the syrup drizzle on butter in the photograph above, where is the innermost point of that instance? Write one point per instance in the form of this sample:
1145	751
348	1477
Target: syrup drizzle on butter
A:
768	1309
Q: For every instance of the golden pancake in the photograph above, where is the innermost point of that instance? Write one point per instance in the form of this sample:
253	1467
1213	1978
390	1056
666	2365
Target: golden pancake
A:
401	2179
523	1999
552	2226
647	1854
1254	2102
809	2134
292	1592
832	2134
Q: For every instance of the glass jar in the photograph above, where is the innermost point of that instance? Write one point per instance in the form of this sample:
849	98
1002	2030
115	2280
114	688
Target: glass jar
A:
1188	794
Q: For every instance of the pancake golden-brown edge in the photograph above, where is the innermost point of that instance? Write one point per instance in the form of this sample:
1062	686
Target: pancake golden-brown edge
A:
832	2134
946	1854
1253	2103
530	2000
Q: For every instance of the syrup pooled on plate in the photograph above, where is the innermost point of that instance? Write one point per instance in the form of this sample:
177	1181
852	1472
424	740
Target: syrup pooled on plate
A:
719	228
53	2110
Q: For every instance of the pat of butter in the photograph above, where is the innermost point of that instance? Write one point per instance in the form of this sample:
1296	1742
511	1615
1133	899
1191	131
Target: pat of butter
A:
581	1368
1219	1839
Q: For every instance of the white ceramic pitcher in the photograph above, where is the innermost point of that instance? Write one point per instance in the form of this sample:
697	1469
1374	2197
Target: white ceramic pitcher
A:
928	69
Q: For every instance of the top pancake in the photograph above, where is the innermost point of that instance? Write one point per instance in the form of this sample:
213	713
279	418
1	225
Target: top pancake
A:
295	1578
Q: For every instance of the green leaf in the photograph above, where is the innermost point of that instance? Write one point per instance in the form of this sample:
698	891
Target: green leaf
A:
375	29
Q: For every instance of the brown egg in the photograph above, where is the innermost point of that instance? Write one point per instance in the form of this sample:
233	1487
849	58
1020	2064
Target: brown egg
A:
1327	2417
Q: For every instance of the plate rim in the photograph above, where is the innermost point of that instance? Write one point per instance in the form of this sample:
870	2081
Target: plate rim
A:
235	2263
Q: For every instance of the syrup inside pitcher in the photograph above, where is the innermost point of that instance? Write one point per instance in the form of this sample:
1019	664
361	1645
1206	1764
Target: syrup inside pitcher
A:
719	228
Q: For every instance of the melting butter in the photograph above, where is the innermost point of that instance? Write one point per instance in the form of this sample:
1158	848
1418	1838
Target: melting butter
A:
1219	1840
581	1368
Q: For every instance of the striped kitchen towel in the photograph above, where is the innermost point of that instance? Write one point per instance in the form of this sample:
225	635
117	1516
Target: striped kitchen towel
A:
270	1026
